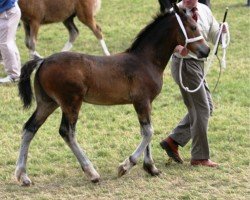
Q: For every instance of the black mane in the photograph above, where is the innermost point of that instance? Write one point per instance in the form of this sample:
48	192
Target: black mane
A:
145	31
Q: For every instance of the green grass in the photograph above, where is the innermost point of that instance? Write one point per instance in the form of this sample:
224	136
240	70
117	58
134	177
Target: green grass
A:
110	134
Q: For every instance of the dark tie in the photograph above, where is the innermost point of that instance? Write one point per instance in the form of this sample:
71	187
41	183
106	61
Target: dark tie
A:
194	13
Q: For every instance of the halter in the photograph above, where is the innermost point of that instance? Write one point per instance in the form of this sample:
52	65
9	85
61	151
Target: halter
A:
187	40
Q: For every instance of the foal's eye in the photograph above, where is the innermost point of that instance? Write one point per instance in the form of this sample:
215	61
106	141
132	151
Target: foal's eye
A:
193	28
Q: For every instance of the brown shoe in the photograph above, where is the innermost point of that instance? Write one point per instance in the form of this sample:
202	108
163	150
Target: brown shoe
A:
204	162
171	148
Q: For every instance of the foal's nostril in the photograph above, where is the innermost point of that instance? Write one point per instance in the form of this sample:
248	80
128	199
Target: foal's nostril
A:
203	52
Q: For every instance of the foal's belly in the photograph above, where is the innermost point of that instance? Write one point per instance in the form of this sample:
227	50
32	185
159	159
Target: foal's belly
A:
107	97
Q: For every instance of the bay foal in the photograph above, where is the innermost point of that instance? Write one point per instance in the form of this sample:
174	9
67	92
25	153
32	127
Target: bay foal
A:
135	77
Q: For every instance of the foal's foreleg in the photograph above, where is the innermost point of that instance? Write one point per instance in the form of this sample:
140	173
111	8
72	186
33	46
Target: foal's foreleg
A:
67	131
147	132
148	163
143	110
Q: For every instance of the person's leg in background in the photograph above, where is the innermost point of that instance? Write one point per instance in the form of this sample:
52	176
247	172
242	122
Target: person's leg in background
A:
11	59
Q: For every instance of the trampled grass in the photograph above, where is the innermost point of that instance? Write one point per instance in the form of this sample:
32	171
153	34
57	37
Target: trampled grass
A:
110	134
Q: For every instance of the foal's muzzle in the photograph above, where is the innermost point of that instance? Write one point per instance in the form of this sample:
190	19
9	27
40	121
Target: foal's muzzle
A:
203	52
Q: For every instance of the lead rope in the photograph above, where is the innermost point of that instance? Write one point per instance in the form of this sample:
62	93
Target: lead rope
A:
225	42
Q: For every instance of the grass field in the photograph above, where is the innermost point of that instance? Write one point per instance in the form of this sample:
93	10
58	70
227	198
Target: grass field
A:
110	134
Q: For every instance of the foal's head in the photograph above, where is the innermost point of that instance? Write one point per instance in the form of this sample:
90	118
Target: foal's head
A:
193	39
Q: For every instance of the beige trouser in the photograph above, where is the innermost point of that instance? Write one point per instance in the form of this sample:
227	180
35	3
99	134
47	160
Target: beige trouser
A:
8	25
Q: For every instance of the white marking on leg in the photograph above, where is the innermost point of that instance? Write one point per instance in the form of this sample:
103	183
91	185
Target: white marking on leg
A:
147	132
83	159
68	45
104	47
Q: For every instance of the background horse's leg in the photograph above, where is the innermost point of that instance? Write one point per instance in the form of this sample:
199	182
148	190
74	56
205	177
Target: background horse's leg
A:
88	19
67	131
143	111
73	33
34	27
29	130
26	27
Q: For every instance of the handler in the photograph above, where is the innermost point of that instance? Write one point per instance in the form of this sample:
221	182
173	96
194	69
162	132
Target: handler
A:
9	18
194	125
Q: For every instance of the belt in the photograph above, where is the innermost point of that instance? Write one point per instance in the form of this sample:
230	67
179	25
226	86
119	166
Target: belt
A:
190	58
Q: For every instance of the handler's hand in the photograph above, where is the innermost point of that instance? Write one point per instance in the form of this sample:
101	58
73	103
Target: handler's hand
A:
224	27
183	51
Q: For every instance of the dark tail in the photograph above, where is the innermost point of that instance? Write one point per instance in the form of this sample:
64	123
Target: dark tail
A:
24	85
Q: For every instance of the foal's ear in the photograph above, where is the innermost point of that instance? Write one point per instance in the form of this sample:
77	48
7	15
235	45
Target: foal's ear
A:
165	5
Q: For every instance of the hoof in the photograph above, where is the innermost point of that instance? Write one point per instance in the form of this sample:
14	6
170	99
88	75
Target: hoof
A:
125	167
22	177
151	169
92	174
95	180
121	171
26	183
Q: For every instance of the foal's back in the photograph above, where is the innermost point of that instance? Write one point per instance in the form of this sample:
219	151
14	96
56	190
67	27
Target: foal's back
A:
117	79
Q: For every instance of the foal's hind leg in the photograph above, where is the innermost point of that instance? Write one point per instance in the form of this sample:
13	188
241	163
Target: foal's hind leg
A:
29	130
143	110
73	33
67	131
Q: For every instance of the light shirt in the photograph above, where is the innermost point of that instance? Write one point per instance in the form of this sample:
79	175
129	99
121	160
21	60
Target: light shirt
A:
207	24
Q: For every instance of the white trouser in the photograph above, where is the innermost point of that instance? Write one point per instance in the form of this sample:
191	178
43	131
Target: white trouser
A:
8	26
